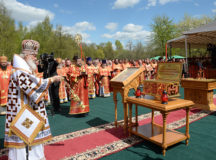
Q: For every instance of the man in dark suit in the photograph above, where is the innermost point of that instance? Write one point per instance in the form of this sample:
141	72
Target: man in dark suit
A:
48	66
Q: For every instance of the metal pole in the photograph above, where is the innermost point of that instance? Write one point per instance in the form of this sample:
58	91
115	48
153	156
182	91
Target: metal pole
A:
170	51
189	50
186	53
166	51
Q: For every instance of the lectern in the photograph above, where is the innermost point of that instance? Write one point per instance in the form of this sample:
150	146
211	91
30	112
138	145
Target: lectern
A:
122	83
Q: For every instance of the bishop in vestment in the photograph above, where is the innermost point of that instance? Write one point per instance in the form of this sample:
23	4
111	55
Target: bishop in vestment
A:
26	88
5	71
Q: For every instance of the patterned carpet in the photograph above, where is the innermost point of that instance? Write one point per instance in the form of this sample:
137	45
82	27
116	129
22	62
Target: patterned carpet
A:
99	141
102	140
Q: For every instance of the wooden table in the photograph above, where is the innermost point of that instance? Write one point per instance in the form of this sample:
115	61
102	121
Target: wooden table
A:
155	133
200	91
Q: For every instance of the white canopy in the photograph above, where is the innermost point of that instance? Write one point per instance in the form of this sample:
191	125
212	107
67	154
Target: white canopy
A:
196	38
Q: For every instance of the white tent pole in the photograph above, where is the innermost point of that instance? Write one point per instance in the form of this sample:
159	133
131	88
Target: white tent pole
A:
186	53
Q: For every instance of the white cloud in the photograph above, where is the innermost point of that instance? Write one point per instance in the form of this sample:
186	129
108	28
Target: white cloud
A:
26	13
81	28
153	3
214	10
33	24
162	2
130	32
55	5
118	4
132	28
111	26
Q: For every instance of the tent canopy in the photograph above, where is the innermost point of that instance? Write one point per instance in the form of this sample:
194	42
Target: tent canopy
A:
196	38
157	57
177	57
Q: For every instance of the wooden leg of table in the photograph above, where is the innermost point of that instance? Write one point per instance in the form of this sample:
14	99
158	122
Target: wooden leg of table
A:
125	117
164	146
187	125
116	114
130	119
136	110
152	116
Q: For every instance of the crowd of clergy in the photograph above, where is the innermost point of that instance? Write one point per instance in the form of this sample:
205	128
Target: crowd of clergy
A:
83	79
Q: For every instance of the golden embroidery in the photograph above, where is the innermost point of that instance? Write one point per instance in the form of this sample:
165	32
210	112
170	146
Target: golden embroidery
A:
27	123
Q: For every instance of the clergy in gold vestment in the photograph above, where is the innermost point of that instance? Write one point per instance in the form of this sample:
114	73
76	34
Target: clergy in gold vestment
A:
79	88
116	68
96	70
5	71
62	87
26	88
90	69
104	75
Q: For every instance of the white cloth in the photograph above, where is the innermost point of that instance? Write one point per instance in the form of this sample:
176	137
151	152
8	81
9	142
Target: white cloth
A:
25	88
36	153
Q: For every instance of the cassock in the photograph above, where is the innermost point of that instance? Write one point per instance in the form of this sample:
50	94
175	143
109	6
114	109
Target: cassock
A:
4	82
125	65
90	69
96	71
25	88
67	89
62	86
104	75
116	68
79	90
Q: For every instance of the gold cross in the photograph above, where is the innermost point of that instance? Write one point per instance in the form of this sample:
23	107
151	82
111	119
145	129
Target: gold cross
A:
27	123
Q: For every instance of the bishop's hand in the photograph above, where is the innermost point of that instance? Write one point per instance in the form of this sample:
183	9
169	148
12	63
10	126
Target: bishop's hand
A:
56	78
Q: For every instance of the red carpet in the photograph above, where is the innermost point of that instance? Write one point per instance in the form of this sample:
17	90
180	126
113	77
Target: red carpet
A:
83	143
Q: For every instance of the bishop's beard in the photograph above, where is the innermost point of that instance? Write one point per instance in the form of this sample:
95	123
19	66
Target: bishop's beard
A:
4	68
32	64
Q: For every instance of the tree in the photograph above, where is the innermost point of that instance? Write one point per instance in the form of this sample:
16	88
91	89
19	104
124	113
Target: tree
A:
130	45
8	33
43	33
139	51
118	45
164	30
108	50
189	22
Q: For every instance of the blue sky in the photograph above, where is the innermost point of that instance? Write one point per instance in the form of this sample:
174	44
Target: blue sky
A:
107	20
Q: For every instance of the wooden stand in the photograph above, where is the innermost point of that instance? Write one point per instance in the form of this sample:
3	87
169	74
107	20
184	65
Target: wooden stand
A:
200	91
122	83
155	133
